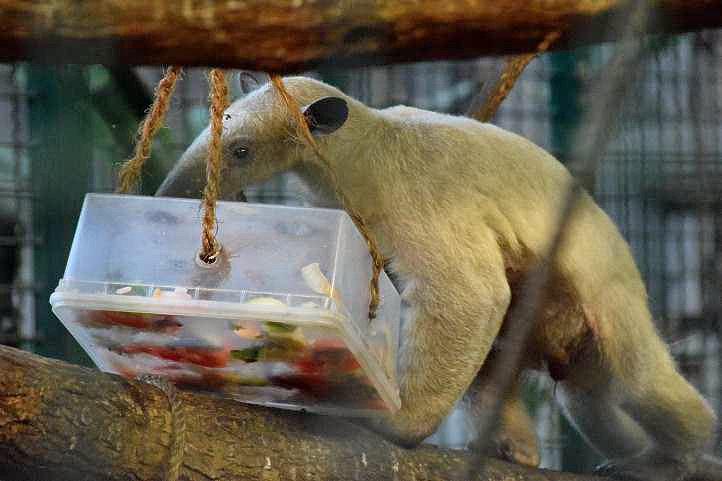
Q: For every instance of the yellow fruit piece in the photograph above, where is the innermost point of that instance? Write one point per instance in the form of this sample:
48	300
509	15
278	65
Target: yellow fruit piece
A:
265	301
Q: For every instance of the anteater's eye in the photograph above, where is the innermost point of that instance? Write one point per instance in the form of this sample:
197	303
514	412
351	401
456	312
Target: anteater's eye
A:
240	153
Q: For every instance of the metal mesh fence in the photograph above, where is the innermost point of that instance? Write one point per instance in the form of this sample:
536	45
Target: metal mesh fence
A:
17	283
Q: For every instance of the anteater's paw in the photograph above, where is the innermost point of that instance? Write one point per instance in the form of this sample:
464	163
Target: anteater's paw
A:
520	450
517	451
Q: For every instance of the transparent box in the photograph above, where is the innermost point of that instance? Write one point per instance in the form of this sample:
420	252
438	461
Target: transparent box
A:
281	319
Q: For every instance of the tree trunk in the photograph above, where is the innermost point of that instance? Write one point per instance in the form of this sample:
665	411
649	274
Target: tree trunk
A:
296	35
63	422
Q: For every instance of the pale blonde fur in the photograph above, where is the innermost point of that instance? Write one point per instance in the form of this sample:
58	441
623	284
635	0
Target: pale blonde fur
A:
463	210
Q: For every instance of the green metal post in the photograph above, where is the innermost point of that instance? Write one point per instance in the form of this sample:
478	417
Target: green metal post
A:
60	157
566	112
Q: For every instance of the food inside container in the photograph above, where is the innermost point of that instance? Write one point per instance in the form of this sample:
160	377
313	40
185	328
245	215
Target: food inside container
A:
281	320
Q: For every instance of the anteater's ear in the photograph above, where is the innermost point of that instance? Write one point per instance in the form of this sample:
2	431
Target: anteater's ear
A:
326	115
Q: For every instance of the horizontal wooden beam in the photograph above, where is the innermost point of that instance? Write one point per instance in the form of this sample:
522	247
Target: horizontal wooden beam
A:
60	422
297	35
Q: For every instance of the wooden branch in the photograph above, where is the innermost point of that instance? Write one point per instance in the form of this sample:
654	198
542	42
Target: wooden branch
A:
296	35
62	422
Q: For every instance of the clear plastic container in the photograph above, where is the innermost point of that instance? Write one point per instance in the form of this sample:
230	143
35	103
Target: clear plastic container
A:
281	319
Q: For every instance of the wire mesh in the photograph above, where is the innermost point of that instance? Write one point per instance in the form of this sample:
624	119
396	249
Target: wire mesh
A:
17	241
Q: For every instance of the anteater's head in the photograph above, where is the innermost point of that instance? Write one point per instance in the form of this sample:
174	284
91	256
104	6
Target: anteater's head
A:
260	138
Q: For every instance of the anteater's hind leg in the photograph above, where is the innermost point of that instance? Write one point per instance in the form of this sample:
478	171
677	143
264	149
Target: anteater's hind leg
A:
628	399
602	422
515	438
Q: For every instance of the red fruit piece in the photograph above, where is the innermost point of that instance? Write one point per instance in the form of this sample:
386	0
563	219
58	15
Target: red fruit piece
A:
136	320
202	356
312	384
329	357
328	369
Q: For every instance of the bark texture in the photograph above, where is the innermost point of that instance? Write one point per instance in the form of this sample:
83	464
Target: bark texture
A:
296	35
63	422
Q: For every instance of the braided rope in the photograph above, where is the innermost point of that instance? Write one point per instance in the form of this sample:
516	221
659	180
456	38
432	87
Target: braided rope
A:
129	174
177	426
514	67
219	103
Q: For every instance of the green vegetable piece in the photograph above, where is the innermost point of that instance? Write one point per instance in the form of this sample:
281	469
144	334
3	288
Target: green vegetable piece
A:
250	354
279	327
255	382
290	344
273	352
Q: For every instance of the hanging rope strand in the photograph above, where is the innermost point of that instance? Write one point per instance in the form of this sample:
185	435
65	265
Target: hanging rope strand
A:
513	69
129	174
218	104
377	260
